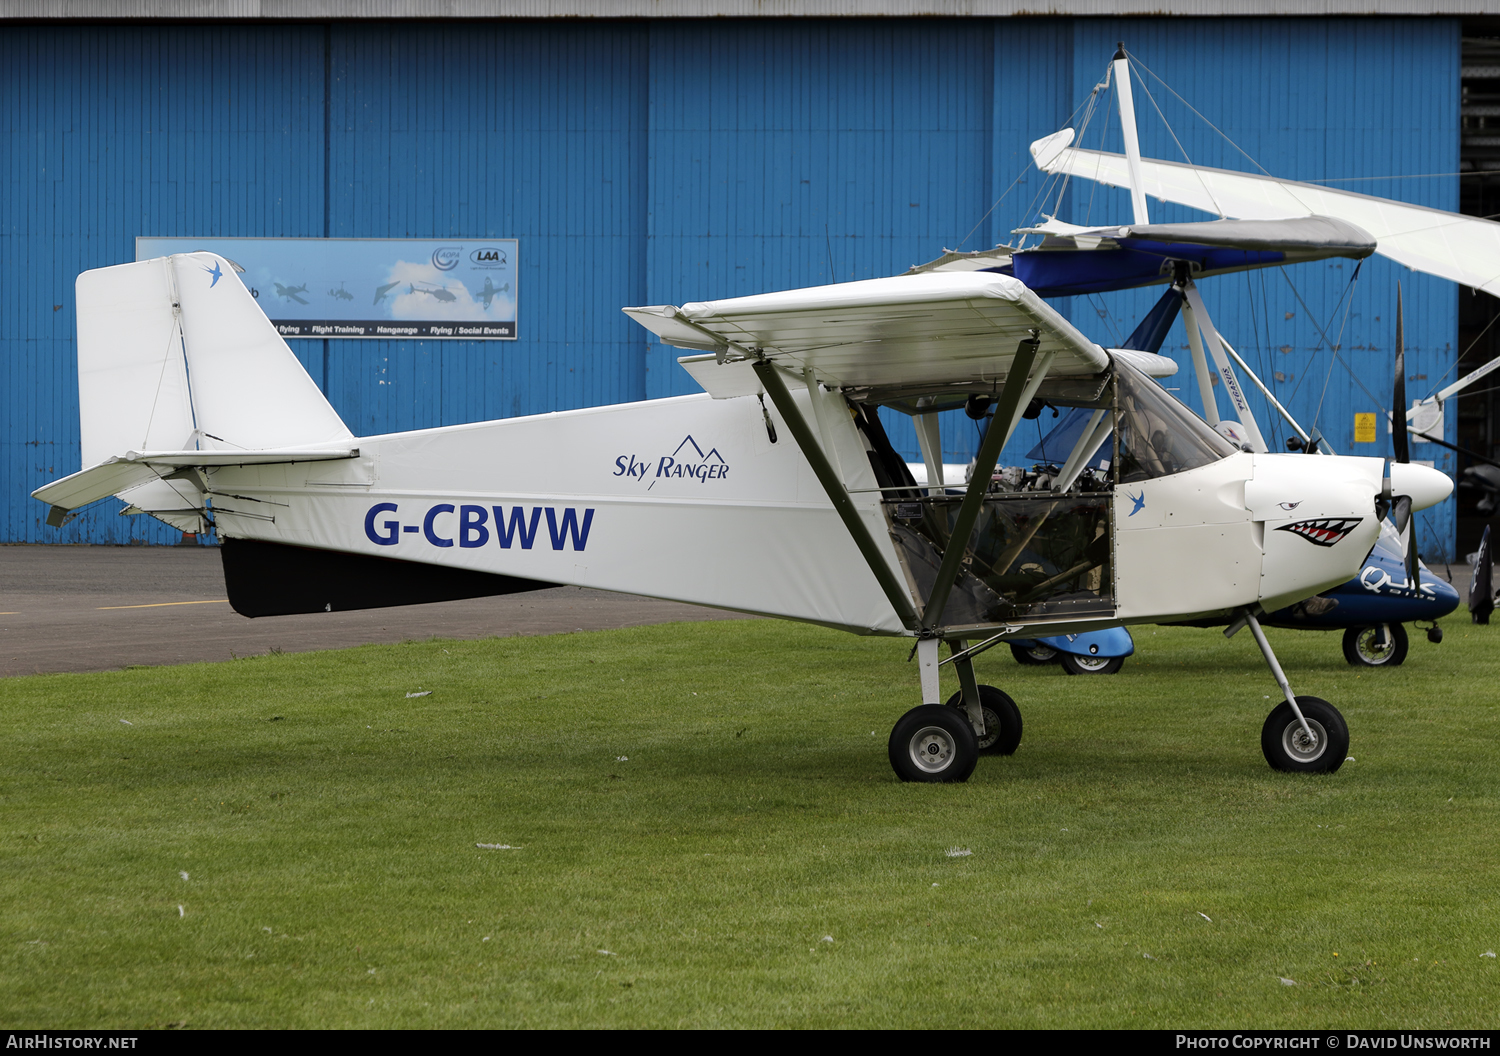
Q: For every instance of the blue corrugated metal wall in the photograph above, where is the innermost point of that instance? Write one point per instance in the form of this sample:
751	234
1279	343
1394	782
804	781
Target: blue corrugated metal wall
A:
675	161
111	132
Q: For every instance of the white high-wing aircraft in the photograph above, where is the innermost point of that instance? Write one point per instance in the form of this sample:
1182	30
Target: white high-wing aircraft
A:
776	491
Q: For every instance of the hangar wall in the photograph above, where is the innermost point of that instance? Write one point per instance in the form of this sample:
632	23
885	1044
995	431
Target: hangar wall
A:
676	160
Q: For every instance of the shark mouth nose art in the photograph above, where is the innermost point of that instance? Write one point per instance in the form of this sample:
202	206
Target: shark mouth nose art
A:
1324	532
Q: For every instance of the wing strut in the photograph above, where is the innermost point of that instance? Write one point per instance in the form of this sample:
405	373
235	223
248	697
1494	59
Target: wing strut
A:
897	594
1198	316
1006	414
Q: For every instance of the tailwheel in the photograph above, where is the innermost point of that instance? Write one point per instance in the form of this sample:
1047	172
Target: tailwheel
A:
1002	720
1287	746
935	744
1381	645
1090	665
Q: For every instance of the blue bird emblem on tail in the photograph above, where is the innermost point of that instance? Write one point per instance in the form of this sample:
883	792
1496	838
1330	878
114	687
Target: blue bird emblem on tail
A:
1140	503
216	272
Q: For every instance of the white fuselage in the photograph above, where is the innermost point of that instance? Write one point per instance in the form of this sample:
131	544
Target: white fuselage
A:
687	498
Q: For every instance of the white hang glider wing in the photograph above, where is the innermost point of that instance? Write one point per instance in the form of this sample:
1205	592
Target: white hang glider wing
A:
1465	249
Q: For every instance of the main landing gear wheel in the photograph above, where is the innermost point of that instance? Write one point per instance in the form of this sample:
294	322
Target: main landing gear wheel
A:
1090	665
1034	655
934	744
1362	646
1286	743
1002	720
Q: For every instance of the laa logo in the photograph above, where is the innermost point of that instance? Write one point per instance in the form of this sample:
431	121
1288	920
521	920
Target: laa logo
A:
1324	532
710	466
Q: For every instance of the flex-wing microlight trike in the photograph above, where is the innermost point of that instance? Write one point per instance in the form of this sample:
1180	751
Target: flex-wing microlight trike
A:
774	492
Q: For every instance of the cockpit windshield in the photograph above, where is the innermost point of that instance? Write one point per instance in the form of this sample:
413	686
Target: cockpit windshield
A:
1159	436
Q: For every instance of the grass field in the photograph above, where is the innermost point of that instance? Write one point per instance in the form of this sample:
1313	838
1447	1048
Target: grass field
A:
291	840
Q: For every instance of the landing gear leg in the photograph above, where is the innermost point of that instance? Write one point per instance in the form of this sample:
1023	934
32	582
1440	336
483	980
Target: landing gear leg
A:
969	685
933	743
1304	735
997	730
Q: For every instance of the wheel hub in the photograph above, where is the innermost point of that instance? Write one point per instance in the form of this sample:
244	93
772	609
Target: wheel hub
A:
1370	648
1299	746
932	749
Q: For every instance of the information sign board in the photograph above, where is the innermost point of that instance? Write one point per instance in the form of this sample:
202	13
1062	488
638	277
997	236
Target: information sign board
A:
461	289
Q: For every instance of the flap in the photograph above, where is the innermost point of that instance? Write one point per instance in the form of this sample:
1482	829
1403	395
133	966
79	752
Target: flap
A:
723	381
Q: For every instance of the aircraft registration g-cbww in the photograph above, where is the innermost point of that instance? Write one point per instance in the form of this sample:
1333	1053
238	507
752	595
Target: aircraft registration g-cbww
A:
776	491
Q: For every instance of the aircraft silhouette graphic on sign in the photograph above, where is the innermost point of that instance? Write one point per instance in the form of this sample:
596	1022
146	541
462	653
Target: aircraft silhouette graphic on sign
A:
291	293
439	293
487	294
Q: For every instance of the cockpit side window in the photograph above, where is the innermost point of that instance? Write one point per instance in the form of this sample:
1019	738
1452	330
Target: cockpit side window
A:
1158	435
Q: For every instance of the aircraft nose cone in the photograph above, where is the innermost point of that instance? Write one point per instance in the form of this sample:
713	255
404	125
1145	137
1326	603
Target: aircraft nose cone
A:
1426	486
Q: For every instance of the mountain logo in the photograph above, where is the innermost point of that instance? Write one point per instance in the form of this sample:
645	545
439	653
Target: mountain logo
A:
687	460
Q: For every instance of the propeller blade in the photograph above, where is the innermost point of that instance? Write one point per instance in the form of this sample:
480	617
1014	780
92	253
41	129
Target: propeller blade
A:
1406	528
1399	437
1413	562
1401	513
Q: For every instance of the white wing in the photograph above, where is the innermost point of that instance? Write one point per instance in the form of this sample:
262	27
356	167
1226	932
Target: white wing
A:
936	328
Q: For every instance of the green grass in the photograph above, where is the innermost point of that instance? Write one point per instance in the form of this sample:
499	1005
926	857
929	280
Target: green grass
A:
327	824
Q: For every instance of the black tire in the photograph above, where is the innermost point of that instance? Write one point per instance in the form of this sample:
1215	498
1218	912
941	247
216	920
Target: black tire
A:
933	744
1282	737
1034	655
1362	646
1090	665
1002	720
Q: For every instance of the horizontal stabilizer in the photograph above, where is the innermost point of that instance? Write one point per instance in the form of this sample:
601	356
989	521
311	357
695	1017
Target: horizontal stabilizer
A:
118	474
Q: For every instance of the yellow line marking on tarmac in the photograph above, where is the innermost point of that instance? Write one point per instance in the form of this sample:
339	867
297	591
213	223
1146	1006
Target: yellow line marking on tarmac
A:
9	614
157	605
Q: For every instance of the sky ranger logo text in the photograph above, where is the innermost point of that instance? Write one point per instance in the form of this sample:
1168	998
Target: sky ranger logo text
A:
688	460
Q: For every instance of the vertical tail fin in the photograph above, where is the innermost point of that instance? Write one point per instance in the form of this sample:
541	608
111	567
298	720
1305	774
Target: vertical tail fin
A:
174	354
